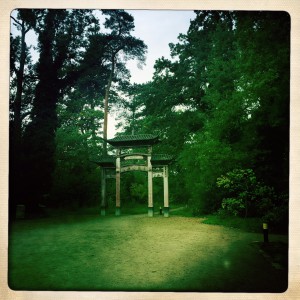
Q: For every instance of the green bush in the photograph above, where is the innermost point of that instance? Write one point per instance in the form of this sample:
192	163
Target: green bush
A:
234	206
139	192
246	196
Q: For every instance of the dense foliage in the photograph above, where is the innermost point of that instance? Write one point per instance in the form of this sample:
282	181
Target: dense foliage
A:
220	105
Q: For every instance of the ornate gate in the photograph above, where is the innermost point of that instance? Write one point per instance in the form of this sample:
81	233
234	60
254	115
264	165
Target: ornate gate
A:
128	159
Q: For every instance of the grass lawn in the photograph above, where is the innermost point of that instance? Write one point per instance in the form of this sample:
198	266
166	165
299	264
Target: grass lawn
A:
133	252
245	224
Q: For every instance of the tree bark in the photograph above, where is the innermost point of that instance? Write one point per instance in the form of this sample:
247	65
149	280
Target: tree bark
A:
107	90
16	139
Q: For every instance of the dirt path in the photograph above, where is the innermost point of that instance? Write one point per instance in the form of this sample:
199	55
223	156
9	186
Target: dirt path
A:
142	254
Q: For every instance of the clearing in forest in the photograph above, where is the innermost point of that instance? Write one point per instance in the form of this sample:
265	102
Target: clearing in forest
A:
138	253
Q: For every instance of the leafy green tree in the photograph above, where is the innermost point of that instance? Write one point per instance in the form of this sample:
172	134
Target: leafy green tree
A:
130	110
220	105
264	62
20	69
80	108
21	92
222	102
120	47
76	179
245	196
61	36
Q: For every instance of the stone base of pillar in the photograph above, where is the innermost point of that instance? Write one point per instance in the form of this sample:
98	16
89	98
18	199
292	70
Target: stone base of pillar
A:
103	212
150	211
118	211
166	211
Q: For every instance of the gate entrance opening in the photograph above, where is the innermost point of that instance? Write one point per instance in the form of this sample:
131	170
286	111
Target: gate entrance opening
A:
128	158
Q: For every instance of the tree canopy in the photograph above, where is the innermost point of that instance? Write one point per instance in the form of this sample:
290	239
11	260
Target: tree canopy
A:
219	103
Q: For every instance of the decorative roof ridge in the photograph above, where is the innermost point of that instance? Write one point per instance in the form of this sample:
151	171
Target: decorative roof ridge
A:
134	140
133	137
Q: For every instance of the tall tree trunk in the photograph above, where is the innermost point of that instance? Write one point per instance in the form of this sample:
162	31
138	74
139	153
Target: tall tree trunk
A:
39	140
107	90
16	138
133	122
93	126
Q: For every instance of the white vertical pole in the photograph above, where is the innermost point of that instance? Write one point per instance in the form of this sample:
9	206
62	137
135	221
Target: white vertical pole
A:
118	182
150	184
166	192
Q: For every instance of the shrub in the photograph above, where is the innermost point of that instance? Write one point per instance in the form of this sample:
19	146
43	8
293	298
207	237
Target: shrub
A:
246	196
233	205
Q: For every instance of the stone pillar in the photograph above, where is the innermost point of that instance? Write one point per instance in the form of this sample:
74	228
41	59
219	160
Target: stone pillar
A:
166	192
118	182
150	184
103	191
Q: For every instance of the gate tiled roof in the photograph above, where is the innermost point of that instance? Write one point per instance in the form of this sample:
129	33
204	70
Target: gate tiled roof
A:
134	140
